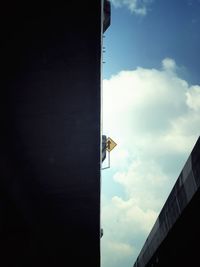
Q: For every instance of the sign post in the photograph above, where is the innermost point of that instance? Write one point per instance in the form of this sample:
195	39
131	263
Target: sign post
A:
110	145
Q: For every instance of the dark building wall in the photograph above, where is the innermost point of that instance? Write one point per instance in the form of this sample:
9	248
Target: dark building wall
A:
181	245
173	238
50	134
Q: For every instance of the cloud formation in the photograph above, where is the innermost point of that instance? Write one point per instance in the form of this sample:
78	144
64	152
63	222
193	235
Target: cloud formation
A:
139	7
154	116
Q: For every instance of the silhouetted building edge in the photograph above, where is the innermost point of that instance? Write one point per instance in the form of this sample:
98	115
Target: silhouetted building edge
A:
50	133
182	194
106	15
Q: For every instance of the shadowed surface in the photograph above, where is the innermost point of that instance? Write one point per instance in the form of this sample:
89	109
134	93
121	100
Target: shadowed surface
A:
173	240
50	144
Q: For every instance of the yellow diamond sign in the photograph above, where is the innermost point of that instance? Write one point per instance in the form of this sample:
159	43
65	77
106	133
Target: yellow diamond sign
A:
110	144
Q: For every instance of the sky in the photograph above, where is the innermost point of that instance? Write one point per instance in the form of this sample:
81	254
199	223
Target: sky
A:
151	109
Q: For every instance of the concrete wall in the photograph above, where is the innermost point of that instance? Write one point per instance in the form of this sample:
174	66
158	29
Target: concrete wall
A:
183	200
50	128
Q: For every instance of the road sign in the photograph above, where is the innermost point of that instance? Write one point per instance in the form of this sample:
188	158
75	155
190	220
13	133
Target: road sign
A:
110	144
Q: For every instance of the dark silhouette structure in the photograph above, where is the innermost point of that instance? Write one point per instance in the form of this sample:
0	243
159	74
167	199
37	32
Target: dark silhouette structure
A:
50	134
174	239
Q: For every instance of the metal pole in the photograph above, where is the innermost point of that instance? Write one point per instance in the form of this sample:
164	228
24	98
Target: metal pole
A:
108	162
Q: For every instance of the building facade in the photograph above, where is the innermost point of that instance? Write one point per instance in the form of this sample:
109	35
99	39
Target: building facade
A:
51	136
174	237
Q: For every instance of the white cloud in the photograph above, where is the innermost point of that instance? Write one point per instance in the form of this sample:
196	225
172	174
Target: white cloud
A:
139	7
154	117
120	252
193	98
120	248
169	64
146	110
119	231
133	214
143	182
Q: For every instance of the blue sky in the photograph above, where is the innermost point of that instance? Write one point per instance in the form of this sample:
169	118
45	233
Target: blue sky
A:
169	29
151	109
